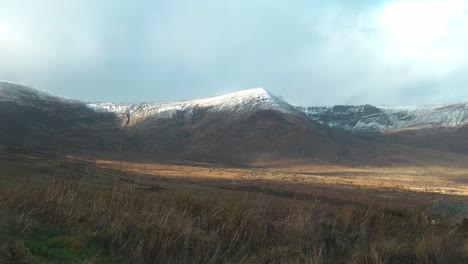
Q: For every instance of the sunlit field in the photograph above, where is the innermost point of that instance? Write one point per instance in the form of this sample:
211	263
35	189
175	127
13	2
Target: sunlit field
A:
87	211
407	187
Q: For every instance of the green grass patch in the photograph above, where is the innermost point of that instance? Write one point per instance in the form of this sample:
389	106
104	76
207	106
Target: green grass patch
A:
52	245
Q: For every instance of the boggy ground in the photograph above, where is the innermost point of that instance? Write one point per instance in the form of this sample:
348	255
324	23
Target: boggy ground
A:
86	211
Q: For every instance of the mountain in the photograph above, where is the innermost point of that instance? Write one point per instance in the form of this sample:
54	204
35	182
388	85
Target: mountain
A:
235	105
365	118
442	127
246	127
240	127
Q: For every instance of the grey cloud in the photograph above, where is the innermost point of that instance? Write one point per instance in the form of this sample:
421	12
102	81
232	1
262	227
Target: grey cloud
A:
310	52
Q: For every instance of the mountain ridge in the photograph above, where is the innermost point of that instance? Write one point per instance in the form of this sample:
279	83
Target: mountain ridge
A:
354	118
370	118
235	104
240	127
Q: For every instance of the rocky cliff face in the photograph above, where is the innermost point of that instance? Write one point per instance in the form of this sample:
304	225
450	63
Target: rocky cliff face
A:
358	118
368	118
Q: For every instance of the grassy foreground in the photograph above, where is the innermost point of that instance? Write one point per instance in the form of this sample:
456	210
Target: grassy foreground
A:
89	223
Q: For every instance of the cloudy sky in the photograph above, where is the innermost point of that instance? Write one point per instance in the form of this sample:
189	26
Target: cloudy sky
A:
318	52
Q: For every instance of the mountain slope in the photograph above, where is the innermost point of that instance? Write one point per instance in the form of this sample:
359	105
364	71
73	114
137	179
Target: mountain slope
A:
383	118
29	96
448	139
37	119
439	127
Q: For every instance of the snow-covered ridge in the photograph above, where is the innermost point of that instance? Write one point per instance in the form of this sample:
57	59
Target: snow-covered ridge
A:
234	104
26	95
4	82
382	118
238	104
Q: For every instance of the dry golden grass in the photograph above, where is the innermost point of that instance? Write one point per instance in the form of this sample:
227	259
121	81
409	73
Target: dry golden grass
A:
126	224
443	180
418	186
75	211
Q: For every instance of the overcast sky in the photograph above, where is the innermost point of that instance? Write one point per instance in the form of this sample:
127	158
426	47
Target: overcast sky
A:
319	52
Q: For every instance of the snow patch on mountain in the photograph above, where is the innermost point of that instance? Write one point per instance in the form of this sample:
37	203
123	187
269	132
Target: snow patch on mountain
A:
449	115
383	118
234	104
238	104
28	95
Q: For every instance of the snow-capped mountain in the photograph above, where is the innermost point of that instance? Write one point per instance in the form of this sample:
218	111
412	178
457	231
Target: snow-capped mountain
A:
236	127
233	105
239	104
239	127
383	118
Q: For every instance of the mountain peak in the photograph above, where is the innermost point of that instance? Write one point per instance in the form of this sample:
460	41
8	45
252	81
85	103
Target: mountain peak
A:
253	92
248	94
235	104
